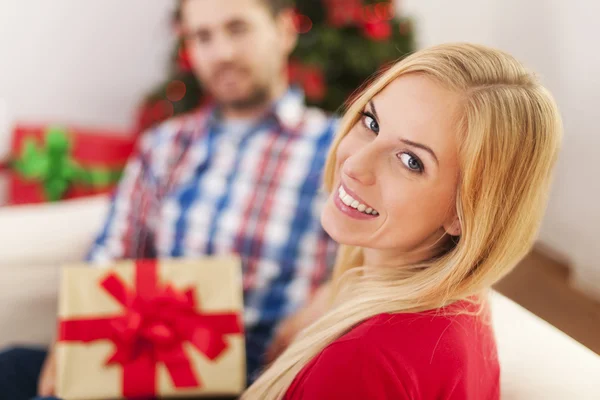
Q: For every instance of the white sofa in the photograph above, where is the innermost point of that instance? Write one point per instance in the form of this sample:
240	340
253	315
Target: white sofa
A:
537	360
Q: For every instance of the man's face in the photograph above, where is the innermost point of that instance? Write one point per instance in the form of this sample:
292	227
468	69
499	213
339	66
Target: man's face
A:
239	49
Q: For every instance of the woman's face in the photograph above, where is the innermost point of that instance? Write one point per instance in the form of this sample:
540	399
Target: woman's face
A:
397	171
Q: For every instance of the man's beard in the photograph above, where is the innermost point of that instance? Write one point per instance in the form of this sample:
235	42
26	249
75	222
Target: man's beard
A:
259	92
258	97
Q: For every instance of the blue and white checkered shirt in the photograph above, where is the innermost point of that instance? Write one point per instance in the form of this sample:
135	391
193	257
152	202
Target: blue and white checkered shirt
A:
196	188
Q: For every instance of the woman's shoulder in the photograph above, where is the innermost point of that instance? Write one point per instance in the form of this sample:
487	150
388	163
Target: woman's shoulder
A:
418	355
449	337
459	322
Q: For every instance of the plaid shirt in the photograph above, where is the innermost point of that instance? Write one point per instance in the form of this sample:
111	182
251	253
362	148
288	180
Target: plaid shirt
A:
195	189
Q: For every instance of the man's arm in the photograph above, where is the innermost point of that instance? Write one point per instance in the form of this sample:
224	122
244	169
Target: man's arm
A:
124	234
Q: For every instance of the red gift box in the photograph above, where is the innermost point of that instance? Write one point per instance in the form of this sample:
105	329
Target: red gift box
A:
90	149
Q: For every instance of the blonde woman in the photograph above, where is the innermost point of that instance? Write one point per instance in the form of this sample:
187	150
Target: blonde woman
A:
438	181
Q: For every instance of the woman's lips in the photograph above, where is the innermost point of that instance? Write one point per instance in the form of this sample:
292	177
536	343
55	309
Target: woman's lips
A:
351	205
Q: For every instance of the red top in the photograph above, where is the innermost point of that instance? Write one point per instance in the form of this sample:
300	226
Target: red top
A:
406	356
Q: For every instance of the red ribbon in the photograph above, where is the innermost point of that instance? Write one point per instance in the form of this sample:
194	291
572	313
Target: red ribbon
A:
156	322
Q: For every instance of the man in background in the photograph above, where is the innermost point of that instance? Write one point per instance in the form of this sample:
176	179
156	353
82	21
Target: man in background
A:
239	176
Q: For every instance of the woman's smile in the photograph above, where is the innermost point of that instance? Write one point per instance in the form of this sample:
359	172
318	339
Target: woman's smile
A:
353	206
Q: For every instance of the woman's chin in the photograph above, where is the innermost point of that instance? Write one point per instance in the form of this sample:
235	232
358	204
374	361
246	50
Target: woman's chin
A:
329	223
338	228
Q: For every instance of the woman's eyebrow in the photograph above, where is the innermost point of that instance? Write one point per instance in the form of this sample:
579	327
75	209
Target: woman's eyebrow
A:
373	110
421	146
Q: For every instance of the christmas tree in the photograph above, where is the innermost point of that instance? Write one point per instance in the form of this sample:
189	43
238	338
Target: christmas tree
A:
341	44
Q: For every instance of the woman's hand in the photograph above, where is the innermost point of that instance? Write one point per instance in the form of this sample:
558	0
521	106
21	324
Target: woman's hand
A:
291	326
47	379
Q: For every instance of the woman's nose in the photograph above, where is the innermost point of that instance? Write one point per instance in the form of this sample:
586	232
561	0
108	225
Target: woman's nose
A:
360	169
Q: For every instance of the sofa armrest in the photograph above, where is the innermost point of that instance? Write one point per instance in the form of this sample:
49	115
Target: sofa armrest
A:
50	233
35	241
537	360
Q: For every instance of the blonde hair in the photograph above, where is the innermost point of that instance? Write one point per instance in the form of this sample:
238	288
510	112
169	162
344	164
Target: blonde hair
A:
510	132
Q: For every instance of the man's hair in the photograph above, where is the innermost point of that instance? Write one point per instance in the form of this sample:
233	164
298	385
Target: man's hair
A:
276	6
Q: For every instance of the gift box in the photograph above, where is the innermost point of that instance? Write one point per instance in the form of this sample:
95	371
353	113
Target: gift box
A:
55	163
145	329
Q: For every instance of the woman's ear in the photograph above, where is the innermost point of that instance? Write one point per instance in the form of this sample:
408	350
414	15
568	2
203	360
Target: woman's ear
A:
453	227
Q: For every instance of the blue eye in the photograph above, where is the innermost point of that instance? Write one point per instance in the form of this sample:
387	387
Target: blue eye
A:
411	162
370	122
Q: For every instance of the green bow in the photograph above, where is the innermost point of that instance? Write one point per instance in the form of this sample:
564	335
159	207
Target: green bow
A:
54	167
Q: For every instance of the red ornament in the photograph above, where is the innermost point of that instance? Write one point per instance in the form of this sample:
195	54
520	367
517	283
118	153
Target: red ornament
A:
310	78
369	16
302	23
295	71
343	12
155	324
183	60
175	90
384	10
314	83
162	110
379	31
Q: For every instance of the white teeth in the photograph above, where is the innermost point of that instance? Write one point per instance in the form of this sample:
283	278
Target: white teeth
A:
351	202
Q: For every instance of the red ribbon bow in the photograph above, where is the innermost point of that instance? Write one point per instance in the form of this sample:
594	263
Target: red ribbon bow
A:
156	323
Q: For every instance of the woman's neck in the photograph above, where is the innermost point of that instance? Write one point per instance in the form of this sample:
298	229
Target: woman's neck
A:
383	258
394	258
427	249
